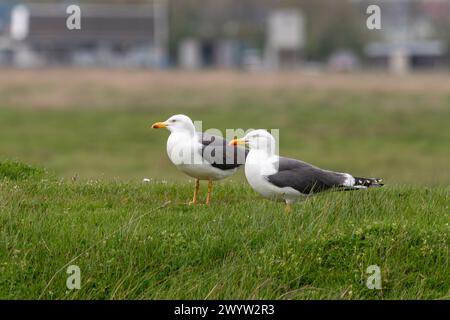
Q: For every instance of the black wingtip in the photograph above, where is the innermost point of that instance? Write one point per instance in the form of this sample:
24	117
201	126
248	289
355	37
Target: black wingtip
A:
369	182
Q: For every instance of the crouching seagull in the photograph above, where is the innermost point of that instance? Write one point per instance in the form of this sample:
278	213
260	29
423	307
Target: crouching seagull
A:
200	155
288	179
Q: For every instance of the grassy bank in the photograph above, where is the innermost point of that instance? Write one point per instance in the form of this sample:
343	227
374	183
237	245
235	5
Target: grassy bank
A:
141	241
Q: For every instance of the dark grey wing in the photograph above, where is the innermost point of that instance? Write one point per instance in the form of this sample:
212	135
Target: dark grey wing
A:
305	177
219	153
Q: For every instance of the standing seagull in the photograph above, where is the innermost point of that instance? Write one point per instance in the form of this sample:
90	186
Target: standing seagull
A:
200	155
277	177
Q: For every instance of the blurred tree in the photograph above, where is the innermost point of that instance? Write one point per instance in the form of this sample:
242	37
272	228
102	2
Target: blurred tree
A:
440	12
333	25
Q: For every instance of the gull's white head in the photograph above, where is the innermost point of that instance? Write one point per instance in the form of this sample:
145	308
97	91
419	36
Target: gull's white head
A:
258	140
177	123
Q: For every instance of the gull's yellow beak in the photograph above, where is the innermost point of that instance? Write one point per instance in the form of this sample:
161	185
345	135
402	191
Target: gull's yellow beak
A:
235	142
159	125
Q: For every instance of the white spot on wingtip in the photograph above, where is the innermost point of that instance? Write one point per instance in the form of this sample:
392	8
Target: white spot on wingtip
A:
349	181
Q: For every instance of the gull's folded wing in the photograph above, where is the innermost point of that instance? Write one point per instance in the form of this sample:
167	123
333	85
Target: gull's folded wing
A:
305	177
219	153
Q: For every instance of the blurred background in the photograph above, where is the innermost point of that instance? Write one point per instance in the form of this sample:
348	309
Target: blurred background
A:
371	102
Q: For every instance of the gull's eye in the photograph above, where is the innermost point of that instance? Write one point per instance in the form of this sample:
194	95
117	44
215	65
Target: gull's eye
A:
173	120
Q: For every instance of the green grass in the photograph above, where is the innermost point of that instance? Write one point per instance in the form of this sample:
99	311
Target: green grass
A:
14	170
131	244
89	207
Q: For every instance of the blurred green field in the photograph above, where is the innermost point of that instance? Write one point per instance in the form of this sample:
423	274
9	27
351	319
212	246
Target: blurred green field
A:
135	240
97	124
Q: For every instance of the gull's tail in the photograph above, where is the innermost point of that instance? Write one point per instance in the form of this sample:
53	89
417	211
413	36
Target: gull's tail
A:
368	182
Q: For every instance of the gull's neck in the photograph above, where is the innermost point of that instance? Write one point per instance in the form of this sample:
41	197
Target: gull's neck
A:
182	140
186	133
257	156
260	162
263	153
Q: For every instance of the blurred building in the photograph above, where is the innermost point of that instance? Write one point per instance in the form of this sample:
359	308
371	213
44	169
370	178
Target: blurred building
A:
189	57
5	41
285	38
343	61
229	34
110	35
408	38
197	53
403	57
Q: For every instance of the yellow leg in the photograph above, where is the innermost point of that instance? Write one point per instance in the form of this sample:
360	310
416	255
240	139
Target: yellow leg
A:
288	208
197	186
208	197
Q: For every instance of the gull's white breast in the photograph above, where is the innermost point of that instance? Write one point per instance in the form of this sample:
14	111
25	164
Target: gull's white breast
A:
184	151
258	166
